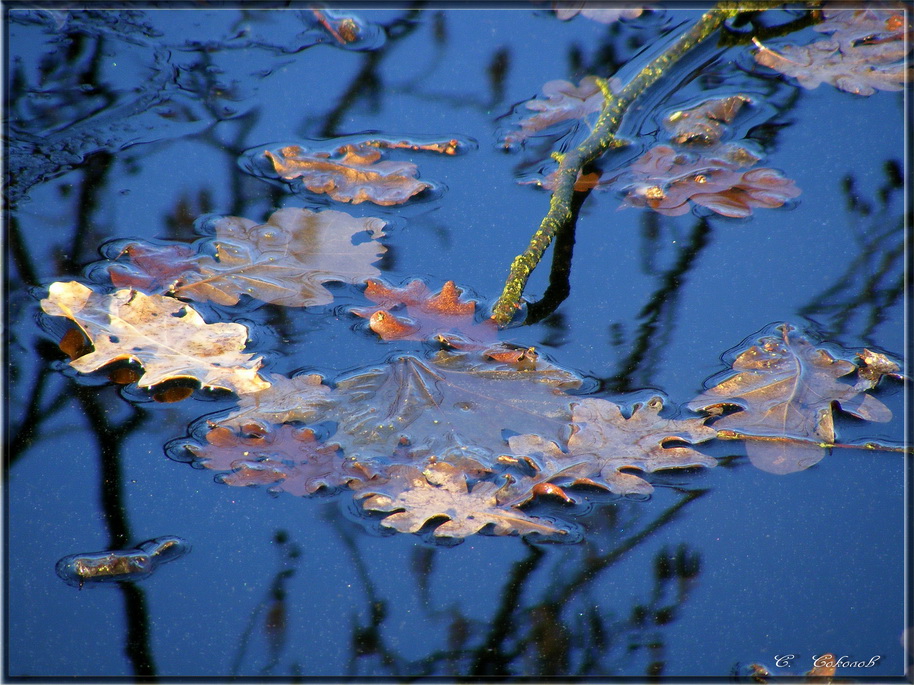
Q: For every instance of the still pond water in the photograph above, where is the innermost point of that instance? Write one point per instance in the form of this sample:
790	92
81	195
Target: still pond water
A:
133	123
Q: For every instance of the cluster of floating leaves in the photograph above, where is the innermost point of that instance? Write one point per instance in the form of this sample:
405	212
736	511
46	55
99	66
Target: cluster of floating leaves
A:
472	435
463	439
699	170
866	52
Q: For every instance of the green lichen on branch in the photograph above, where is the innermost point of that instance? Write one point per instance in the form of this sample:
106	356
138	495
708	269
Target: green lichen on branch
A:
601	139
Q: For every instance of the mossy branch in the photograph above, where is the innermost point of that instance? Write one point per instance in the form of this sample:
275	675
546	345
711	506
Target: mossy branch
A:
601	139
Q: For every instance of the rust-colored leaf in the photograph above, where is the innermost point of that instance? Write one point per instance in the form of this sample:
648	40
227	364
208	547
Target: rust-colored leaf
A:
666	181
704	124
169	338
284	261
785	386
442	491
427	314
350	173
288	459
603	442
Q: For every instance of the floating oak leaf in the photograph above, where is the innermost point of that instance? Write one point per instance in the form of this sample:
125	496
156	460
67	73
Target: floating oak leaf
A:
427	314
442	491
666	181
351	173
860	70
287	458
564	102
784	387
604	15
284	261
169	338
603	442
703	124
454	406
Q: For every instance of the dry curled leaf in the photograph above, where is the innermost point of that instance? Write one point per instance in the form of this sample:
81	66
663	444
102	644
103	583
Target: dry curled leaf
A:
873	366
784	387
665	181
442	491
350	173
704	124
169	338
287	458
564	102
603	442
284	261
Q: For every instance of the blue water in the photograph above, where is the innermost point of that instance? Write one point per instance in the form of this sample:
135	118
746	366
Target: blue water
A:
131	124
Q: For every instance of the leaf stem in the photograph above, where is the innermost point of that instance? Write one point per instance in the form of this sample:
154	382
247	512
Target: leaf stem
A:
601	138
808	442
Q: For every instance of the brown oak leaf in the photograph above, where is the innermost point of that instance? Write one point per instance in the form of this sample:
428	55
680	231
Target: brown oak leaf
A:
704	124
284	261
350	173
442	491
665	181
784	386
169	338
287	458
603	442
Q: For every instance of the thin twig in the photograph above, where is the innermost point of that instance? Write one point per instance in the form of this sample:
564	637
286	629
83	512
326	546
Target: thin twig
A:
602	138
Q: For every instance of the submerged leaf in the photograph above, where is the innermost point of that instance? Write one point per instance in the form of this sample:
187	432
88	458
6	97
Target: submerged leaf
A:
442	491
603	442
703	124
288	459
453	407
284	261
785	386
169	338
666	181
564	102
350	173
300	398
866	53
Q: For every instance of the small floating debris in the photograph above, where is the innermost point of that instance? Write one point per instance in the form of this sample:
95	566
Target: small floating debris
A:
121	566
